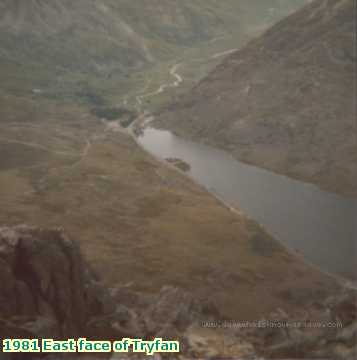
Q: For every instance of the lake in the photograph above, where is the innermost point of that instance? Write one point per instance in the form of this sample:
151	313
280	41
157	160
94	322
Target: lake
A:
322	226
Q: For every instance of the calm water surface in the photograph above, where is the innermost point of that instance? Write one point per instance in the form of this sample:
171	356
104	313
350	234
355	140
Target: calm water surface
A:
320	225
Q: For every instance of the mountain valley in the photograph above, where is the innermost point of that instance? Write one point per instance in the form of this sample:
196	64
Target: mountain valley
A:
286	101
154	252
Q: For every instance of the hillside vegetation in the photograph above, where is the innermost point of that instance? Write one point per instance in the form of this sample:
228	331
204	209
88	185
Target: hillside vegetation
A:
92	49
286	101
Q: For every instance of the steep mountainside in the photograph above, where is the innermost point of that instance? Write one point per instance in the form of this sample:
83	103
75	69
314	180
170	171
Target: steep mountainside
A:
85	46
287	101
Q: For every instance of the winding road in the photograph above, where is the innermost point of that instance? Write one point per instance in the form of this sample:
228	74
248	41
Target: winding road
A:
146	117
178	79
162	87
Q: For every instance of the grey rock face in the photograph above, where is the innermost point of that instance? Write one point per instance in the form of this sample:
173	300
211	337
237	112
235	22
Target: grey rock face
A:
49	291
47	288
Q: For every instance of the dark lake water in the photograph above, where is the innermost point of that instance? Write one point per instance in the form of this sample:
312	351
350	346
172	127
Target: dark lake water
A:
320	225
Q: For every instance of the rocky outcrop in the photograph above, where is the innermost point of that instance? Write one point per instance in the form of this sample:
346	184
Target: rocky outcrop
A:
321	331
328	331
47	289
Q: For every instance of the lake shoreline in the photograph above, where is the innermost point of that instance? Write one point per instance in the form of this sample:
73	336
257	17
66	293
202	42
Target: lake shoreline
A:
343	280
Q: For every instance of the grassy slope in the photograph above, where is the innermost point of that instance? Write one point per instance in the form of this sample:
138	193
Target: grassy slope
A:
138	220
74	50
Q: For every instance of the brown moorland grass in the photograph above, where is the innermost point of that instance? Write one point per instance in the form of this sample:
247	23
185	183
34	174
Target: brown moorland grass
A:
141	222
